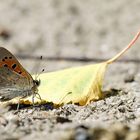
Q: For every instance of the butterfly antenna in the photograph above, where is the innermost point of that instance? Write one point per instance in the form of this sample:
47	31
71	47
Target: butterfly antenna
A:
37	68
36	76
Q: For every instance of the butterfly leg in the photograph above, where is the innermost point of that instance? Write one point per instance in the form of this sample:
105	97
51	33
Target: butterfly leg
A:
33	101
39	97
18	105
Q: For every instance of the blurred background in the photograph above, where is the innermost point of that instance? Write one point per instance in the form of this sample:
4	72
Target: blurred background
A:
68	32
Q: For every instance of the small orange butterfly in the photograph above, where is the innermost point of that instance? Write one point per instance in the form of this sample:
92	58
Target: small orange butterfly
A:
15	81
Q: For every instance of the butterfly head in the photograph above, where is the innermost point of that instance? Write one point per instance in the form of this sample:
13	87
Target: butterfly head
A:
36	83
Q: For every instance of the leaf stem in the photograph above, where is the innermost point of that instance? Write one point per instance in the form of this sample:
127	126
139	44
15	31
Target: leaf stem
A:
124	50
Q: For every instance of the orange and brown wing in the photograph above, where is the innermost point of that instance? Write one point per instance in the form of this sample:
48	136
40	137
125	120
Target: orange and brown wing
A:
9	60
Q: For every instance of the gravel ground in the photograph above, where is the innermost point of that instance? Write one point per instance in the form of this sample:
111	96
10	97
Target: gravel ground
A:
64	32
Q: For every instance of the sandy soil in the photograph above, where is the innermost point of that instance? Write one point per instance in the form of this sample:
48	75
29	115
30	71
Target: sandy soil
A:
70	30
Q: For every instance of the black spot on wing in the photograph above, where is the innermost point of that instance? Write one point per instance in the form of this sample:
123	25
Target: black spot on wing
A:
14	66
20	72
5	65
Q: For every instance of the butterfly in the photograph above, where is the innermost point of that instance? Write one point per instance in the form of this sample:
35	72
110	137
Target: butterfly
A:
15	81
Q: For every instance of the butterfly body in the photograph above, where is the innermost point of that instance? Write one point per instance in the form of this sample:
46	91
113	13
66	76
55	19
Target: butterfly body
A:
15	81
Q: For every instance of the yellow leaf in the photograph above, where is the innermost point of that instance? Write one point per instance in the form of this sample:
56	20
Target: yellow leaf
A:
75	85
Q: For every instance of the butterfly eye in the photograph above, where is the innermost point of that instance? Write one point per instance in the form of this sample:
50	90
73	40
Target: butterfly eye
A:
37	82
10	57
5	57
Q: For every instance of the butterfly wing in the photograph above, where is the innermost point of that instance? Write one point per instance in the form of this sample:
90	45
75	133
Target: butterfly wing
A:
9	60
14	79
